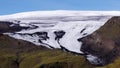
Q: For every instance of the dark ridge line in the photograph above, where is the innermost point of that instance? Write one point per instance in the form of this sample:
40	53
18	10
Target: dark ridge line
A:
46	44
82	30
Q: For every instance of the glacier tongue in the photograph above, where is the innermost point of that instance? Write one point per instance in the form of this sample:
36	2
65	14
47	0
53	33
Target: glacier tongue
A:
60	32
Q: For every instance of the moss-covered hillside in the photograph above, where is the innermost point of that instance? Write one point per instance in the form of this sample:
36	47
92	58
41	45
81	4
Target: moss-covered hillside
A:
21	54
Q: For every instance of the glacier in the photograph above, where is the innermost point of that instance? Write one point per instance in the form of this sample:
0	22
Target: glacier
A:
58	29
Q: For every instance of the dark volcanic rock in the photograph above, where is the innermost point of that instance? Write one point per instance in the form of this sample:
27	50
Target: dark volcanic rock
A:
105	42
42	35
59	34
6	26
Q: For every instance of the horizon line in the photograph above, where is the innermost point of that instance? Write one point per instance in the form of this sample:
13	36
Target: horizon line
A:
61	10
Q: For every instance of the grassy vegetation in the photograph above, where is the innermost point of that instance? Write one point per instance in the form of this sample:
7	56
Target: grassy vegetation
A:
115	64
48	59
20	54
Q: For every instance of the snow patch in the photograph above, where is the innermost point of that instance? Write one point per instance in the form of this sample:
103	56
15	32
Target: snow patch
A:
94	59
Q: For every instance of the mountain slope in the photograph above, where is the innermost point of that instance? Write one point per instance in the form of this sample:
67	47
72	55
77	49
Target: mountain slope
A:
63	30
57	29
105	42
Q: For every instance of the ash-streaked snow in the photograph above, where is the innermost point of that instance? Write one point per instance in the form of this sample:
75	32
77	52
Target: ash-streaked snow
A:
94	59
75	24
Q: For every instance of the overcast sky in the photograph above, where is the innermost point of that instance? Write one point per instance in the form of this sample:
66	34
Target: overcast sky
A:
15	6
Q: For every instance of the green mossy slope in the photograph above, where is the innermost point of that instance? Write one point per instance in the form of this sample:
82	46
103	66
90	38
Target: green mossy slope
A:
21	54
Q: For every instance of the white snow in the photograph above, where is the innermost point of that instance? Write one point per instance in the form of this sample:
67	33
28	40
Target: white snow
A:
72	22
36	14
94	59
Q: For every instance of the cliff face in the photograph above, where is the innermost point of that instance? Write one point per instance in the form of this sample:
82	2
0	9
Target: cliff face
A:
104	43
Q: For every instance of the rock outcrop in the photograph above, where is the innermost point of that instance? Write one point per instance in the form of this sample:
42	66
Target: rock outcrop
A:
7	26
104	43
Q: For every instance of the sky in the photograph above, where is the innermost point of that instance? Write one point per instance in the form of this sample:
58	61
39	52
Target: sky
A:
15	6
